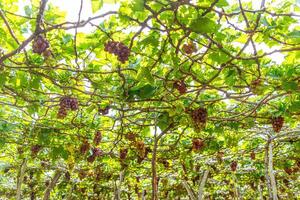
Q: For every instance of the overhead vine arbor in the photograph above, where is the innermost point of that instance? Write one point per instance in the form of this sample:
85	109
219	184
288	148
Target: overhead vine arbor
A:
161	99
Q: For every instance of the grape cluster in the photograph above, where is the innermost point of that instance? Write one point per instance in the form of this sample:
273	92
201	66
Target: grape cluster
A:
66	103
123	154
220	156
199	117
118	49
85	147
189	48
95	153
180	86
197	144
165	163
131	136
104	111
289	171
97	138
252	155
40	45
140	145
35	149
277	123
82	174
67	176
233	166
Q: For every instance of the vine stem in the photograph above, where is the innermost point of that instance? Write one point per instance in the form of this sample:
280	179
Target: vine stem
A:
188	189
52	184
153	161
202	184
271	172
20	179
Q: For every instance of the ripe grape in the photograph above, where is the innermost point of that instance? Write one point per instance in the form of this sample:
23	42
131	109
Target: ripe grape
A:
66	103
199	117
39	45
85	147
277	123
118	49
123	154
35	149
180	86
97	152
97	138
189	48
197	144
233	166
104	111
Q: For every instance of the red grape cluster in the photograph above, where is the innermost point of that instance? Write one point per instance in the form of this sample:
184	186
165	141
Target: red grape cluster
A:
104	111
233	166
289	171
189	48
180	86
40	45
197	144
66	103
131	136
123	154
97	138
85	147
252	155
277	123
199	117
118	49
35	149
95	153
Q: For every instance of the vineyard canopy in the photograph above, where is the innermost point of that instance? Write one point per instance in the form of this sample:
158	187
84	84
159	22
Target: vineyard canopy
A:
160	99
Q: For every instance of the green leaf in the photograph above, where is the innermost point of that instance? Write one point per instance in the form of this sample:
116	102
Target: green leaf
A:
144	73
2	142
28	11
146	92
204	25
59	152
163	121
3	77
44	136
222	3
295	106
96	5
289	85
138	5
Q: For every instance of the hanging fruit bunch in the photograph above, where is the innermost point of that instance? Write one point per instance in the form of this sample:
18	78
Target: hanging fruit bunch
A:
66	103
40	45
277	123
256	86
140	146
233	166
123	153
189	48
197	144
288	170
220	156
97	138
180	86
252	155
104	111
96	152
85	147
199	117
35	149
131	137
118	49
